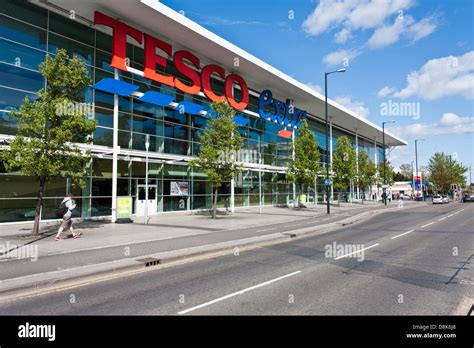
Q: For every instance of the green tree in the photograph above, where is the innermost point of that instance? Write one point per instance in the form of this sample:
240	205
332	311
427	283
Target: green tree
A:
220	143
344	163
406	172
50	126
367	171
390	173
306	164
444	171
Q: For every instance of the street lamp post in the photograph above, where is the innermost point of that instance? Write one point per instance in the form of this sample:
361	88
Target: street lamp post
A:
327	135
416	162
384	162
147	146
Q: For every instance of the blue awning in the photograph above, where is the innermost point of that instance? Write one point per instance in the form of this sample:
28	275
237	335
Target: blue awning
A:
156	98
115	87
189	107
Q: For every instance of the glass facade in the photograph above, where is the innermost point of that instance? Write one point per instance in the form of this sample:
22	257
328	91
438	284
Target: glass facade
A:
28	33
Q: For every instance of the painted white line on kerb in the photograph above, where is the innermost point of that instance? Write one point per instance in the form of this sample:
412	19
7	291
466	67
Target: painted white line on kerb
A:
238	293
431	223
402	234
358	251
443	218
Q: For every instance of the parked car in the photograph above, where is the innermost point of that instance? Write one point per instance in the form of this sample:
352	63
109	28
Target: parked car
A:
468	197
445	198
437	199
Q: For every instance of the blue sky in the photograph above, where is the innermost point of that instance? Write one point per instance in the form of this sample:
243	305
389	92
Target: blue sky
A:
416	52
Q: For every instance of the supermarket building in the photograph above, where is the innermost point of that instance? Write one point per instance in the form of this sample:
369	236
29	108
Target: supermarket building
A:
157	86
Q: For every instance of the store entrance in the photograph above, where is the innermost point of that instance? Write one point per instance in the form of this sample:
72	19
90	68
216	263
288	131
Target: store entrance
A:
141	202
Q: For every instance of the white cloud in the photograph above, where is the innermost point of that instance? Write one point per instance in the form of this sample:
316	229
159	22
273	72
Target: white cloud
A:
355	14
346	16
387	35
342	36
353	105
450	119
446	76
315	87
385	91
340	57
448	124
422	29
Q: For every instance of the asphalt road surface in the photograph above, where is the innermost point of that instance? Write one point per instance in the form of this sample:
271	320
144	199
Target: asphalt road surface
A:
407	262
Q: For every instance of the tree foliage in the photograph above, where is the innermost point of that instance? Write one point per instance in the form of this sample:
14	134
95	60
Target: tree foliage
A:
306	164
390	173
49	126
367	171
220	143
444	171
344	163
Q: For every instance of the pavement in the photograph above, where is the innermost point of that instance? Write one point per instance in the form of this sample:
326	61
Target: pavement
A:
411	261
43	263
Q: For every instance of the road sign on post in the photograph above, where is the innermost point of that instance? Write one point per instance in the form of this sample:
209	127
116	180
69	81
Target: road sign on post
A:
327	182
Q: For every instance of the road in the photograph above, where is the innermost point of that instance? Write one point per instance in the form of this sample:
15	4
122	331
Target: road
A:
414	262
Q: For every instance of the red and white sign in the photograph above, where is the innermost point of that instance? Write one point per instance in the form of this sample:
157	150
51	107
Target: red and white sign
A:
199	82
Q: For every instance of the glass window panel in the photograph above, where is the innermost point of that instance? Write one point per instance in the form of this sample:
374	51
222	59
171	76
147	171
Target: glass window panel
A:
25	11
24	79
11	99
102	167
101	206
103	136
23	33
176	147
147	125
71	28
84	52
18	186
17	210
176	131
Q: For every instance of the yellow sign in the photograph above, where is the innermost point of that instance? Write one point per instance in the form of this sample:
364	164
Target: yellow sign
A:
124	207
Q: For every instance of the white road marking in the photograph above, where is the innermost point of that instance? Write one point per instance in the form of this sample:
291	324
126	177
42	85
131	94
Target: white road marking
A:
402	234
431	223
358	251
462	209
450	215
237	293
443	218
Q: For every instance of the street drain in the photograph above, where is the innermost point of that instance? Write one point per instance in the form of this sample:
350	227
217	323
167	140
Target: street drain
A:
150	261
292	235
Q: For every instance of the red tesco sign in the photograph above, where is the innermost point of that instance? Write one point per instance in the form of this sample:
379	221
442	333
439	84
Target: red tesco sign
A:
152	60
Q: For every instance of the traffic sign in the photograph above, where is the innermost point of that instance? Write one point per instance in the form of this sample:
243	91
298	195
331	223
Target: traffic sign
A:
327	182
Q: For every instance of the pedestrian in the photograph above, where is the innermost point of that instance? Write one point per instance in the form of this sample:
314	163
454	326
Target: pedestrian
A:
65	211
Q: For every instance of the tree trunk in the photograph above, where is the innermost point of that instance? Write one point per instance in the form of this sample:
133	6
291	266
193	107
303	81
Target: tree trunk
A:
39	204
214	205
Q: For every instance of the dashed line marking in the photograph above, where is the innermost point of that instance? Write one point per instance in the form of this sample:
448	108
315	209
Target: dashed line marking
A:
358	251
238	293
402	234
443	218
431	223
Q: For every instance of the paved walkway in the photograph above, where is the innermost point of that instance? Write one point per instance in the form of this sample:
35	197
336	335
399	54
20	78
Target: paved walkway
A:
102	242
97	233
